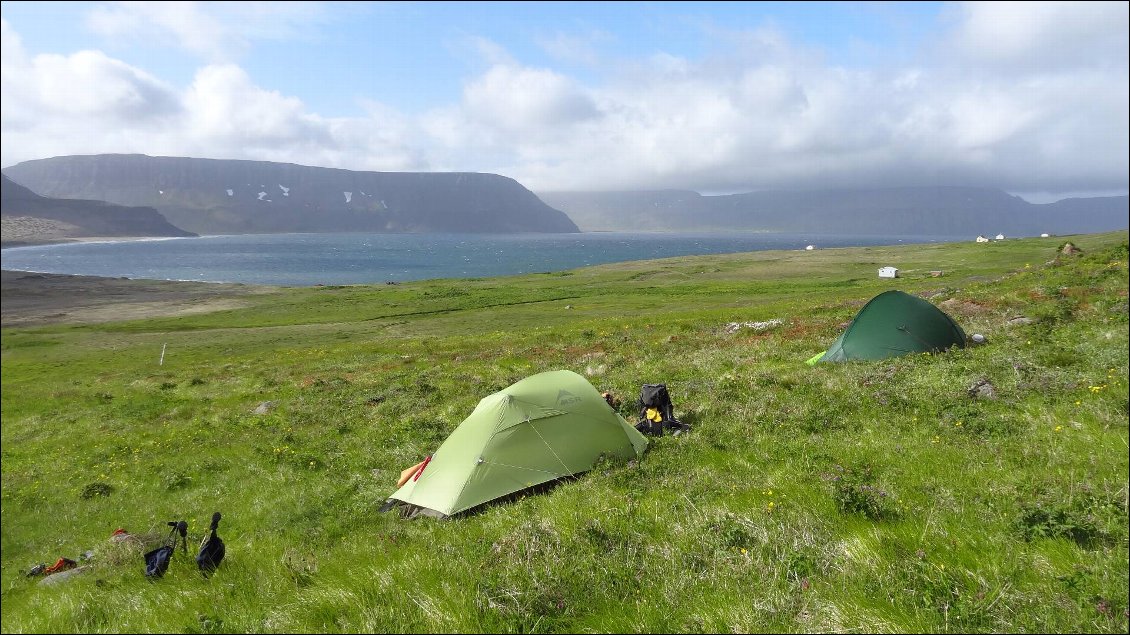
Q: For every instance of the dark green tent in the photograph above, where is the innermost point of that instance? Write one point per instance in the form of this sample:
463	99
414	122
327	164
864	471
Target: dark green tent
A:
894	323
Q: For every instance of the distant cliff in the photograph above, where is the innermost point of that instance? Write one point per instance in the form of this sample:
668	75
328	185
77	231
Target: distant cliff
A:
210	196
943	211
27	217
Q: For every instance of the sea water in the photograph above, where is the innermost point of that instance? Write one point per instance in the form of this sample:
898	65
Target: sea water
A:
351	258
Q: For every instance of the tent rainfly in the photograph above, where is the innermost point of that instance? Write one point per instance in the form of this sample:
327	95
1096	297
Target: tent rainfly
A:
892	324
545	427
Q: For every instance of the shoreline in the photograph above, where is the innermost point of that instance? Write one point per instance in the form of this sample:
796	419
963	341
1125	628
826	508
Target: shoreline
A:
42	242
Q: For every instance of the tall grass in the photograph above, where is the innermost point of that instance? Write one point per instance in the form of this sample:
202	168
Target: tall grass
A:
888	496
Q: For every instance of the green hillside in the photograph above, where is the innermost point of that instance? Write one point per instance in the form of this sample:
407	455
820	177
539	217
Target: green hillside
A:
979	490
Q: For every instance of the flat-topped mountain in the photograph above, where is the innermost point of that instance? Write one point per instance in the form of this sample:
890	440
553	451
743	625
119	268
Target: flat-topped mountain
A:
27	217
943	211
212	196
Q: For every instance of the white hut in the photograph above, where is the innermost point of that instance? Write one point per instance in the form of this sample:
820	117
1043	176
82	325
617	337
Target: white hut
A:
888	272
810	247
982	239
1044	235
1000	236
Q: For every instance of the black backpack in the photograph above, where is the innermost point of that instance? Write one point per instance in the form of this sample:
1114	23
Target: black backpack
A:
211	549
157	561
657	413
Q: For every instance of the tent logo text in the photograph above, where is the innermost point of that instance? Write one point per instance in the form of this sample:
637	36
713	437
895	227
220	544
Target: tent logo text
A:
564	398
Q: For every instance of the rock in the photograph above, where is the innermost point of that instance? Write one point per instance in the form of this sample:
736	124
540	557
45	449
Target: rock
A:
62	576
734	327
264	408
982	389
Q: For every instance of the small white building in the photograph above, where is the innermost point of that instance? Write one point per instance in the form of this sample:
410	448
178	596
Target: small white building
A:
888	272
1044	235
982	239
810	247
1000	236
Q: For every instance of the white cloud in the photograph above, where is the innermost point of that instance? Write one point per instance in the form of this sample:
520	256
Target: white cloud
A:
525	101
75	100
489	51
89	84
223	105
215	31
11	46
768	115
228	116
89	103
580	49
1029	99
1040	36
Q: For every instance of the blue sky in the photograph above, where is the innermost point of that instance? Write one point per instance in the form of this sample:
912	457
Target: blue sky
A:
715	97
416	55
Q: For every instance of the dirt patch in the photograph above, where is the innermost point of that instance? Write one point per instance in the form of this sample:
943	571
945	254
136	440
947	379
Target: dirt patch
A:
964	307
33	299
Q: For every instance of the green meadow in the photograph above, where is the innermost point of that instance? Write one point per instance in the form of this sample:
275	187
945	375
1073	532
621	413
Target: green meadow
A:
974	491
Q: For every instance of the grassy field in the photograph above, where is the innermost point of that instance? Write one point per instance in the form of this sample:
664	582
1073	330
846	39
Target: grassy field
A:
881	497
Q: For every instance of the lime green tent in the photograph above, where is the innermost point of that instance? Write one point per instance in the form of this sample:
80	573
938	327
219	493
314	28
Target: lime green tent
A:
895	323
543	428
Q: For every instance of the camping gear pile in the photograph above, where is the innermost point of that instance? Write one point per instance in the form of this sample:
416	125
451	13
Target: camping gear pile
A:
209	556
157	560
62	564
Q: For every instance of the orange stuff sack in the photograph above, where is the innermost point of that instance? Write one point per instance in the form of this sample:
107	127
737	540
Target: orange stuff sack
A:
407	474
